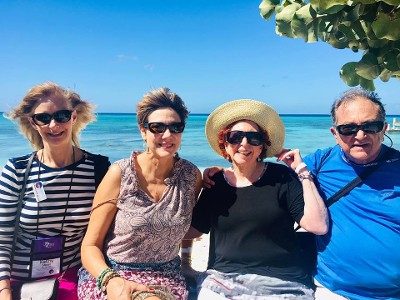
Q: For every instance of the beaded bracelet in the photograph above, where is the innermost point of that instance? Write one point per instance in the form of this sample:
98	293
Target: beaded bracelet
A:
107	278
101	277
305	175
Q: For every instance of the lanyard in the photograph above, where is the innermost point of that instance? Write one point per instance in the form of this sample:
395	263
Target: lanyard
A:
69	193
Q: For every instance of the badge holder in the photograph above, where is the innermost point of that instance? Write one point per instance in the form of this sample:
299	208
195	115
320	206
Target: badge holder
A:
46	257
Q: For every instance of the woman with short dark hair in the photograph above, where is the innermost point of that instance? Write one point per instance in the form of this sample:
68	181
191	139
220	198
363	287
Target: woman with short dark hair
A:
142	211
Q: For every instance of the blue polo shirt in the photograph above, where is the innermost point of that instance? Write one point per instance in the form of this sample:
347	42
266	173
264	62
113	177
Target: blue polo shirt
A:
359	257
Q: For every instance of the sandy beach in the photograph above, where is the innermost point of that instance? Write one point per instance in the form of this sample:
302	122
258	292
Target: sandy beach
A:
199	257
200	253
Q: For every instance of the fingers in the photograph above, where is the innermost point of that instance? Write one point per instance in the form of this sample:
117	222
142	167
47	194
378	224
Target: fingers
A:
282	153
141	287
119	288
211	171
291	158
207	174
207	185
286	155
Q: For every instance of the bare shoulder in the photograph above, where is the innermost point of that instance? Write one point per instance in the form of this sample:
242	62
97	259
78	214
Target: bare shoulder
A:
112	179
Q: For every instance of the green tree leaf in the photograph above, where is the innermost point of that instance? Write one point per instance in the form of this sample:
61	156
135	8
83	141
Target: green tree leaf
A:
368	67
391	60
349	75
371	26
385	75
367	84
387	26
267	8
284	19
303	24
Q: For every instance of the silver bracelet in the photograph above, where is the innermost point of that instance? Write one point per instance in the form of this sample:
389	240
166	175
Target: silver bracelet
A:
305	175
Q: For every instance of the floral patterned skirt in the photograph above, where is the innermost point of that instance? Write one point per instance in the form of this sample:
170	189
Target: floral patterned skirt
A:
165	274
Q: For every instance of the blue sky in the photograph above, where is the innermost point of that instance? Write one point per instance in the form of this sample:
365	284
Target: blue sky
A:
207	51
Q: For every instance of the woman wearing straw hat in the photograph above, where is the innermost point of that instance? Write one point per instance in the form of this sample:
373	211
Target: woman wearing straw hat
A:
251	209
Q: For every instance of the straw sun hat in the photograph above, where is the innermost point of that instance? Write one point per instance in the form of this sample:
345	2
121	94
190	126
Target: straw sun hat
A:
246	109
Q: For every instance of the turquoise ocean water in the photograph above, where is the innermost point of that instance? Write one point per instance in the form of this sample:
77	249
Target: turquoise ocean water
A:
116	135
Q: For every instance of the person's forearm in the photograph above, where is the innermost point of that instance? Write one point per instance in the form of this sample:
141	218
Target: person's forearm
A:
5	283
192	234
93	260
315	217
5	289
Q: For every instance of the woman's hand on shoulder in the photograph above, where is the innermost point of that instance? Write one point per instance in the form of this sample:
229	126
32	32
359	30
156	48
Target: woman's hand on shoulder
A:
208	173
122	289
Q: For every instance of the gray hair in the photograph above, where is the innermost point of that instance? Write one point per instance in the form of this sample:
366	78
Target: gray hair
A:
353	94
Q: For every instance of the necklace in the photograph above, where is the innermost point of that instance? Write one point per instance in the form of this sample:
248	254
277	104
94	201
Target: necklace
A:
262	172
249	180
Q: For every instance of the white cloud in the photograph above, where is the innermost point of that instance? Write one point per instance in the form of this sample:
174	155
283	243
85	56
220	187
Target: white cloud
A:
149	68
123	57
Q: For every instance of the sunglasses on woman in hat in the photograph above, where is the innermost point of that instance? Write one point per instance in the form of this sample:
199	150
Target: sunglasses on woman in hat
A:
251	209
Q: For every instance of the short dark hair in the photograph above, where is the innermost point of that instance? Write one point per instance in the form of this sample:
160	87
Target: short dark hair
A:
158	99
351	95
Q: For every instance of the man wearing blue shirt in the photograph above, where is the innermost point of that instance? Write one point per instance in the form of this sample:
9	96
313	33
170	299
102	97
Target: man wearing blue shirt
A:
359	257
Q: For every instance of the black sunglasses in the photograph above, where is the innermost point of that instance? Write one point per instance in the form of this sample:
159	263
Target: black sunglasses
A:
158	127
253	138
367	127
61	116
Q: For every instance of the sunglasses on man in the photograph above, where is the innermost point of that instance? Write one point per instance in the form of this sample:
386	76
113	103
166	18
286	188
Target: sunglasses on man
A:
367	127
158	127
60	116
235	137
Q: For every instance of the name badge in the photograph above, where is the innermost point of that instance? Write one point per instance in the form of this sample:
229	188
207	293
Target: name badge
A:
39	192
46	257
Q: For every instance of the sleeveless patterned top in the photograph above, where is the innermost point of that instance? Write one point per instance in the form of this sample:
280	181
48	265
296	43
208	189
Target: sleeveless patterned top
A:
144	231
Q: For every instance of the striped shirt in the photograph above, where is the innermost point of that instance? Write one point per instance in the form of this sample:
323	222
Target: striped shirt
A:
65	212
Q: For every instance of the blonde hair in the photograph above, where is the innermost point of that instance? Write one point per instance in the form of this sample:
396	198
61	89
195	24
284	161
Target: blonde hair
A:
23	112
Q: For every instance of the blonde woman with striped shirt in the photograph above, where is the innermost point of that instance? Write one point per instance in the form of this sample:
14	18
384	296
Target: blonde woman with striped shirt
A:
59	192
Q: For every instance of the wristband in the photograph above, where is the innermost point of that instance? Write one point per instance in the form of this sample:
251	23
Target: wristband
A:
299	167
186	250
